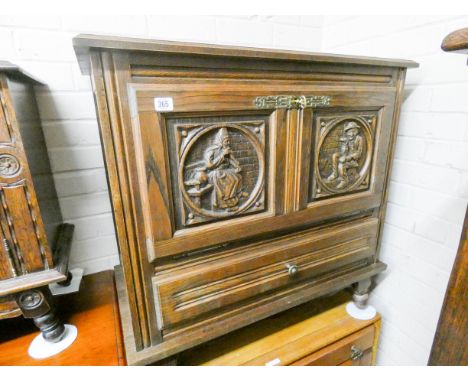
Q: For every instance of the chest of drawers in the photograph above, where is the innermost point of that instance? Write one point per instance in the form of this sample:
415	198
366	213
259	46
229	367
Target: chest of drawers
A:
318	333
243	181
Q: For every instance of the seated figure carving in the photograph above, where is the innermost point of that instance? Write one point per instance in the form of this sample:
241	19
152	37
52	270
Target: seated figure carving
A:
220	175
350	151
224	172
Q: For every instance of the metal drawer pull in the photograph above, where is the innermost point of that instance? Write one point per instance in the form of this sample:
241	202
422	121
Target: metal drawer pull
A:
356	353
292	269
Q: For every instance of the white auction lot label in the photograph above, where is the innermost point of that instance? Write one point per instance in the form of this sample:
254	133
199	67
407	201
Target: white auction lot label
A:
273	362
163	104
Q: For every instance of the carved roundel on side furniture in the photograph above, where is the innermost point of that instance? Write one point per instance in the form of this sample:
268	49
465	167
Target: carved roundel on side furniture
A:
343	154
221	169
9	166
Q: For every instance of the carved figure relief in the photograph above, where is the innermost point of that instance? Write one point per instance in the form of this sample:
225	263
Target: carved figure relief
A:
344	153
221	169
348	155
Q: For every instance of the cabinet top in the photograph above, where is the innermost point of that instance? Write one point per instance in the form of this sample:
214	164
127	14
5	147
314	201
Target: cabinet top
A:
84	42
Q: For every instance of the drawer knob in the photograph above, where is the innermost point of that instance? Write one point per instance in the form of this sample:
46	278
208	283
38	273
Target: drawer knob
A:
356	353
292	269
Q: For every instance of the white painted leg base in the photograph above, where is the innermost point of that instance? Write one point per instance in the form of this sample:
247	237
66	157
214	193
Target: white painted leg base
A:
40	348
367	313
74	286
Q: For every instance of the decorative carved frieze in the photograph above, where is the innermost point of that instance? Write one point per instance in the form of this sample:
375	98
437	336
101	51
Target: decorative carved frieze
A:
221	169
343	153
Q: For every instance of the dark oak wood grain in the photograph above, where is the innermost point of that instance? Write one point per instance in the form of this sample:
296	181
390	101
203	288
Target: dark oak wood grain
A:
452	329
262	185
84	43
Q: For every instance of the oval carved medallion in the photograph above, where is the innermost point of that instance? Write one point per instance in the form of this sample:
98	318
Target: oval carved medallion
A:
9	165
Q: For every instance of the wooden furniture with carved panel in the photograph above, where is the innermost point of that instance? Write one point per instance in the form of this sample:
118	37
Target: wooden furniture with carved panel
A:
34	242
318	333
243	181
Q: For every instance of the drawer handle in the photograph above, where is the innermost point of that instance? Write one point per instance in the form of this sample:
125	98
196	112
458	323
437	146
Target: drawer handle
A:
356	353
292	269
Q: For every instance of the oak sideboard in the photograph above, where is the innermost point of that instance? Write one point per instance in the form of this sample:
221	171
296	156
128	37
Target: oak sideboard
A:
243	181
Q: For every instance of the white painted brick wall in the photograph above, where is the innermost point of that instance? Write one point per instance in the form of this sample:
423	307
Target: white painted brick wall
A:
429	187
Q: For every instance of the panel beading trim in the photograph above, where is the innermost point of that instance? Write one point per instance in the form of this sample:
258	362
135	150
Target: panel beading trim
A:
18	253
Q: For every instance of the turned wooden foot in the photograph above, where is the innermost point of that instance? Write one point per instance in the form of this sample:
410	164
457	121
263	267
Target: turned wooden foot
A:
38	305
361	293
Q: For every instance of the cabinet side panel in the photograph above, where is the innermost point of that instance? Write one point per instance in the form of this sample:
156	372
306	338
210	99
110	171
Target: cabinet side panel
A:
102	72
391	149
24	238
32	137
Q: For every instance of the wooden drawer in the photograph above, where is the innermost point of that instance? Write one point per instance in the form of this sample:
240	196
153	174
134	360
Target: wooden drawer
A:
260	269
354	350
317	333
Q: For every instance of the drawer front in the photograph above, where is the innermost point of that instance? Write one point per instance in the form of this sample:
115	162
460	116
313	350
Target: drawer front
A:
354	350
261	268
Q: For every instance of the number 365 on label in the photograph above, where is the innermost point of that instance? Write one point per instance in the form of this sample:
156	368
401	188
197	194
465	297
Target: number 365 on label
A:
163	104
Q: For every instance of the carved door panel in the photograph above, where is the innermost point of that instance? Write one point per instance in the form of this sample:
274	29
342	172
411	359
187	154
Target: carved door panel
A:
220	162
210	165
24	246
345	153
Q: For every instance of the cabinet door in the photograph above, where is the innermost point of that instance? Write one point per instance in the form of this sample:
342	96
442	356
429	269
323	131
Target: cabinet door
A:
210	164
345	154
215	166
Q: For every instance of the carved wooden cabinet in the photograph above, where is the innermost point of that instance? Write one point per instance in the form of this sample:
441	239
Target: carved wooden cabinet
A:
243	181
34	242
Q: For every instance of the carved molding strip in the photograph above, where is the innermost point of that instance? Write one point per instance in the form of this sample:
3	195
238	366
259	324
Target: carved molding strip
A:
17	250
11	259
37	229
291	101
